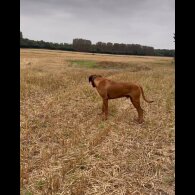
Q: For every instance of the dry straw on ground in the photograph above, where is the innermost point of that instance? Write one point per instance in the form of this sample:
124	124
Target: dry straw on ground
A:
65	146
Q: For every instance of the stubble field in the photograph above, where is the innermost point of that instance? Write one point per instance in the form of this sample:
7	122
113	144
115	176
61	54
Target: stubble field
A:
66	148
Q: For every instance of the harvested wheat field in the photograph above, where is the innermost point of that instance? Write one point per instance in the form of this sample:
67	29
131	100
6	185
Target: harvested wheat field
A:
67	149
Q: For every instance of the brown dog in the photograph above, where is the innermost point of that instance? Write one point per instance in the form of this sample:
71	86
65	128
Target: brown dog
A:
108	89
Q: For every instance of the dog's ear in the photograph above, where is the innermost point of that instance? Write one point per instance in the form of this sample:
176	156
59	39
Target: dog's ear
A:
91	79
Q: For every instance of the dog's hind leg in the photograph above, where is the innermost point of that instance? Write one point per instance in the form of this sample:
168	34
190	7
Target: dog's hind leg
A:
136	103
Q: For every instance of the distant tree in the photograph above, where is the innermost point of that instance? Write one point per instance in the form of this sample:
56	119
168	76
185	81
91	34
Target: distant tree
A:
122	48
129	49
149	51
137	50
109	47
116	48
100	47
81	45
164	52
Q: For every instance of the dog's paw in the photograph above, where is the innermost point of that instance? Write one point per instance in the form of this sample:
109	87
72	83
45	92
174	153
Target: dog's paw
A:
137	120
140	121
104	118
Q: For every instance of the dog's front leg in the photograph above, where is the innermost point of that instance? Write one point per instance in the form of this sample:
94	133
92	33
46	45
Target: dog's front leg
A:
105	108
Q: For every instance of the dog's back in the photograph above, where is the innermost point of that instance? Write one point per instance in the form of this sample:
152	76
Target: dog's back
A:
116	89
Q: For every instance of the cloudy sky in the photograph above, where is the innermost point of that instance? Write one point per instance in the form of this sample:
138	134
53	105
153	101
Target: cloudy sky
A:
144	22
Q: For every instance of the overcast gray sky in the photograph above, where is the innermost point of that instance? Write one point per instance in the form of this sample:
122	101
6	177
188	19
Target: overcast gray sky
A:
144	22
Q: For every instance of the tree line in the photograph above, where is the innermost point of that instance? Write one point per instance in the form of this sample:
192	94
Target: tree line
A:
83	45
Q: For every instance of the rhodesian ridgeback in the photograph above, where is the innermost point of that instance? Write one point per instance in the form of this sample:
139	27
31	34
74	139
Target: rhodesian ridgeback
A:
109	89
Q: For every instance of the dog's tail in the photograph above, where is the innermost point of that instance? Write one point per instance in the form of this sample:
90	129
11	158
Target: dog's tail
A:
142	91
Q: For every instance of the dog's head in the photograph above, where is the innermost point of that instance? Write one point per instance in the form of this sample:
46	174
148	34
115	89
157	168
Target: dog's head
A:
92	78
